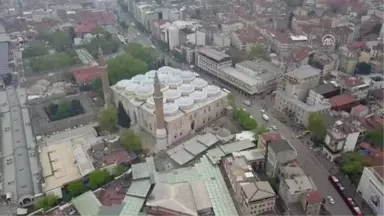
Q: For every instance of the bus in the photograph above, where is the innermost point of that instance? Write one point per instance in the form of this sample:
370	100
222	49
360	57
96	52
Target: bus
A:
348	200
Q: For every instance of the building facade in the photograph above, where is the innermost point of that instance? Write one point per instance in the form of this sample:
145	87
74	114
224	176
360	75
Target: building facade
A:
371	188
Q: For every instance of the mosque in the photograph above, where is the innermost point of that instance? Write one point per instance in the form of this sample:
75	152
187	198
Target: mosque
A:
169	103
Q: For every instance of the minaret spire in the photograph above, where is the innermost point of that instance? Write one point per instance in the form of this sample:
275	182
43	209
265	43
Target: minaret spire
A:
161	133
104	78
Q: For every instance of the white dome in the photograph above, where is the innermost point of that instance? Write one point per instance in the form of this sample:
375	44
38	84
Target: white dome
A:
165	69
185	102
212	90
186	89
143	92
172	94
173	81
199	83
147	82
187	76
151	103
43	82
170	109
151	74
36	89
122	84
130	89
163	77
139	78
198	96
163	87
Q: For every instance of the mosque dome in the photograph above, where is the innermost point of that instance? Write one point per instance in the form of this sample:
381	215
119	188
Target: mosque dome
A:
173	81
147	81
163	77
151	102
151	74
185	102
172	94
122	84
186	89
187	76
198	96
170	109
130	89
143	92
212	90
139	78
199	83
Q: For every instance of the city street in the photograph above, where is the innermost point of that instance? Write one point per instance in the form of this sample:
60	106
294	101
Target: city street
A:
306	158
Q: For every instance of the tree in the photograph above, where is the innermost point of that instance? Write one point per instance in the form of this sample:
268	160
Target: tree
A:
120	170
311	13
72	34
59	40
123	118
35	50
98	178
108	119
260	130
56	61
352	164
146	54
46	202
130	141
259	51
63	109
76	188
376	137
363	68
96	84
104	40
125	67
316	125
245	119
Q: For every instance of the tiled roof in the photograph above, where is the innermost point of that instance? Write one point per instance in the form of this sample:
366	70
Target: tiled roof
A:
86	74
270	136
250	35
85	28
314	197
351	81
359	108
341	100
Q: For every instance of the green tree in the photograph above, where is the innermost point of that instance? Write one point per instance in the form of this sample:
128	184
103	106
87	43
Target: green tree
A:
130	141
35	50
98	178
260	130
104	40
146	54
108	119
259	51
245	119
311	13
317	125
123	118
76	188
120	170
56	61
61	41
376	136
352	164
63	109
125	67
96	84
46	202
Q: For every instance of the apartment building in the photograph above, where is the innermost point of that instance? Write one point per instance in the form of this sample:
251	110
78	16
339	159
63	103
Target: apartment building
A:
221	39
371	188
322	92
296	187
211	60
254	197
245	39
231	26
353	86
342	137
296	86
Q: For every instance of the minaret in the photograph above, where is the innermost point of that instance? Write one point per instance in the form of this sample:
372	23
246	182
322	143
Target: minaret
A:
104	79
161	133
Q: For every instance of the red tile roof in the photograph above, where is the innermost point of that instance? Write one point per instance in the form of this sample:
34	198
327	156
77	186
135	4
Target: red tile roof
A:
86	74
85	28
341	100
359	108
351	81
98	17
314	197
159	22
270	136
250	36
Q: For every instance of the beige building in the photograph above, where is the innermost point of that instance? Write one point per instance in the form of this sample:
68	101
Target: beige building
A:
211	60
189	102
254	197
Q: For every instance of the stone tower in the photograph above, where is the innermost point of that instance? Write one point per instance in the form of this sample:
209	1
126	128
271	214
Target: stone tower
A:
104	79
161	133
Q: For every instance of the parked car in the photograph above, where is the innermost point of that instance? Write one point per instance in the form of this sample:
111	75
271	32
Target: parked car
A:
330	200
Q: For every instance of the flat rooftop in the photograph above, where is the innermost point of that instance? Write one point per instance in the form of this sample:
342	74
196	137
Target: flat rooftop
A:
243	77
303	72
214	54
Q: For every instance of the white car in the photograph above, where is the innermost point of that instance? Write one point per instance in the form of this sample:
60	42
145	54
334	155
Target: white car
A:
330	200
273	127
262	111
248	103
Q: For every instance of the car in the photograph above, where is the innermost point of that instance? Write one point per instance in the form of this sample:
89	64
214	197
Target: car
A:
330	200
273	127
247	102
262	111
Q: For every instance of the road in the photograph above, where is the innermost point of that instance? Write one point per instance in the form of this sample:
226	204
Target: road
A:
306	159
